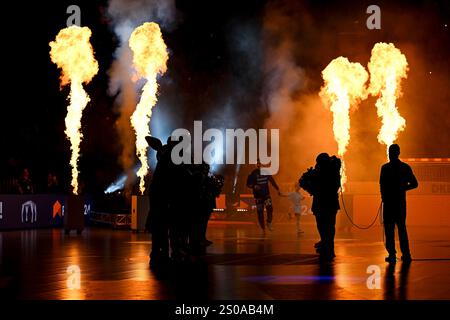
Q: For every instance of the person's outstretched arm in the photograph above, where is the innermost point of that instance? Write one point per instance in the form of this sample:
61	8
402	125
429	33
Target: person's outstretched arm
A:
274	184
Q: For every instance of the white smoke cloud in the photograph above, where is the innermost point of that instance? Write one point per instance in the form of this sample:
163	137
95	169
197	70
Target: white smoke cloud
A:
305	125
126	15
283	79
131	13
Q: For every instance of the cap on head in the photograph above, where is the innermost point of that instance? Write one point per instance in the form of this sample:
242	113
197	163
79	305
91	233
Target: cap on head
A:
394	151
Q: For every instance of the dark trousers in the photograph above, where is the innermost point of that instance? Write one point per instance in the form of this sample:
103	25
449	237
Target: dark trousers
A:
195	238
390	221
326	225
160	243
206	215
179	230
260	204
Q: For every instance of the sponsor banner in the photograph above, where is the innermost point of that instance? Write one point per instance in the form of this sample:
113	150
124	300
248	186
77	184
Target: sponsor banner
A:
373	188
440	188
34	211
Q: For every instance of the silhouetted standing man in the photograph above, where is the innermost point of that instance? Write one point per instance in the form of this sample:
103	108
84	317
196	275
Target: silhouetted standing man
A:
396	178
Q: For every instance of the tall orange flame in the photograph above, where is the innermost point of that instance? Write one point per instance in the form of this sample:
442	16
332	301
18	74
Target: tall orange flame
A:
150	59
73	54
387	67
344	88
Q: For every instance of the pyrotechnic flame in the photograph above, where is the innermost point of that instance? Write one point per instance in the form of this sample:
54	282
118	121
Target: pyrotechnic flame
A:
387	67
72	52
150	59
344	88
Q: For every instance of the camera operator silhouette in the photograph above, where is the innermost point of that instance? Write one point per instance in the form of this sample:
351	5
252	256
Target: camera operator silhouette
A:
396	178
323	183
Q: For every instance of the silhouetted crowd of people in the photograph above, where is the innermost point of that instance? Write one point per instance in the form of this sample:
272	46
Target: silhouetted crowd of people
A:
182	198
323	183
24	184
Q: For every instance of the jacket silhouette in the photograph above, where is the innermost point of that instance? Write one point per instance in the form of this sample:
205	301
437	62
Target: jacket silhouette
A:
396	178
323	183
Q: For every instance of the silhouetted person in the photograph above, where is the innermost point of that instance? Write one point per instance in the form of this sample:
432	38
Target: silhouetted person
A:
323	183
185	213
25	185
396	178
52	184
210	188
158	218
259	183
295	197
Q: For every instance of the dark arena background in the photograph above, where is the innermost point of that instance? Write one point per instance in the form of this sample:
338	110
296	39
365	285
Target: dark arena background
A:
73	217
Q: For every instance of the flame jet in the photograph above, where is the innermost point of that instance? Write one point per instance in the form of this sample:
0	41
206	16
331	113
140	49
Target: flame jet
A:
344	88
387	67
150	59
73	54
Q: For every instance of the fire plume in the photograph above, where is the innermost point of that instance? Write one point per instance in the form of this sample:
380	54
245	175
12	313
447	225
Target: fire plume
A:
344	87
150	59
73	54
387	67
